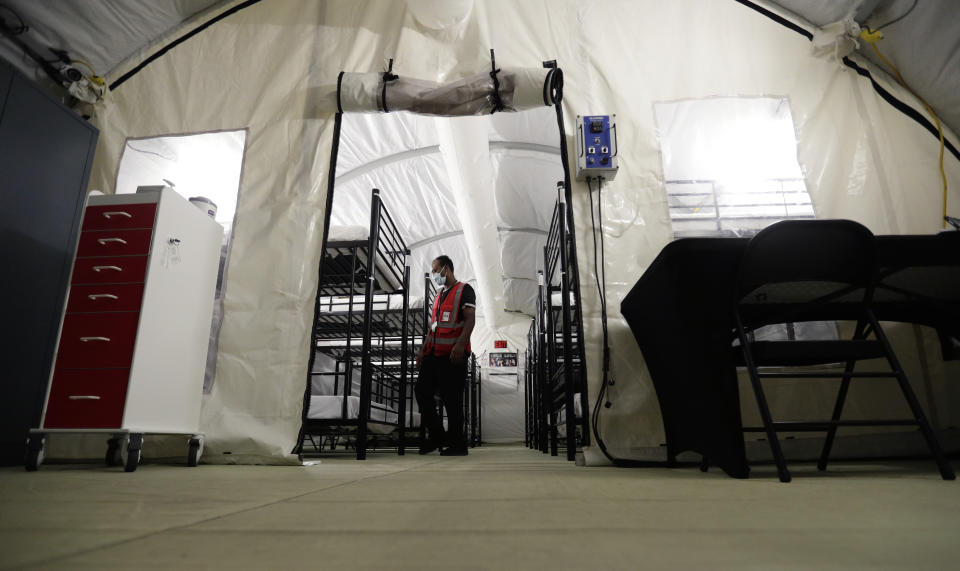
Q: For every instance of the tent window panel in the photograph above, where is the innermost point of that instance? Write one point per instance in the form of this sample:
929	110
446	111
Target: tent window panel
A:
694	212
731	161
694	227
730	167
681	188
744	225
200	164
729	206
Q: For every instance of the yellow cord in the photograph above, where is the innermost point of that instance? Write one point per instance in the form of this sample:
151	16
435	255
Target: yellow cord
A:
872	37
93	73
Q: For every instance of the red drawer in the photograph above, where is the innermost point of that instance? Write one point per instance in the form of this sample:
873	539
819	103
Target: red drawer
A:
114	243
115	270
86	398
97	340
109	297
108	217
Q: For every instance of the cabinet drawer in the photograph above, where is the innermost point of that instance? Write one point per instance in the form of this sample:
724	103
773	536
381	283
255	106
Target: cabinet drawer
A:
97	340
114	270
108	297
86	398
109	217
114	243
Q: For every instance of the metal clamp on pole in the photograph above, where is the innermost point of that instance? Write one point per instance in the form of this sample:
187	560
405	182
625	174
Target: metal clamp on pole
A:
497	102
387	77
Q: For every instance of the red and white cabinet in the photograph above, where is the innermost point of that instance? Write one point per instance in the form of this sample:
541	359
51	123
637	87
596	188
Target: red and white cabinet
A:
133	341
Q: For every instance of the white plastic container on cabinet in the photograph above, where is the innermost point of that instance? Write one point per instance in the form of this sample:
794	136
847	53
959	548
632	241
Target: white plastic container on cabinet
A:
133	340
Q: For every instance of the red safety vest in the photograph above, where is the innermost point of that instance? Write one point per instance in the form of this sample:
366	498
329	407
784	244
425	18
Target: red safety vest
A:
449	323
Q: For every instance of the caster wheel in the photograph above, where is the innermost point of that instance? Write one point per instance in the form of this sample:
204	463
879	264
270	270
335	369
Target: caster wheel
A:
132	461
34	455
130	452
196	450
113	456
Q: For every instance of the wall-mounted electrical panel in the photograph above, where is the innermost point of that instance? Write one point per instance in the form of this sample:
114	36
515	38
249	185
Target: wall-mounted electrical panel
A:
596	147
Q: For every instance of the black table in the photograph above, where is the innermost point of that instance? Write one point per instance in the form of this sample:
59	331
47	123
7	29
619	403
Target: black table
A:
681	313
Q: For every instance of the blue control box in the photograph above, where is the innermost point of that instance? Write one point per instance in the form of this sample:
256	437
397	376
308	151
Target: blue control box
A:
596	147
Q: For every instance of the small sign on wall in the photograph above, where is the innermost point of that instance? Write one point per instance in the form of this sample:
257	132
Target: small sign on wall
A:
503	359
499	344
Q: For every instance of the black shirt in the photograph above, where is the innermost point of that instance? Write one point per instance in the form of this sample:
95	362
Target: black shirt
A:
468	298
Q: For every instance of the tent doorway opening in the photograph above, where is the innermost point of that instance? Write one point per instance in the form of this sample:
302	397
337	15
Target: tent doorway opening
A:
439	183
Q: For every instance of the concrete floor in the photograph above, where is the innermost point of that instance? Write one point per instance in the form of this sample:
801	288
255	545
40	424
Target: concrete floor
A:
499	508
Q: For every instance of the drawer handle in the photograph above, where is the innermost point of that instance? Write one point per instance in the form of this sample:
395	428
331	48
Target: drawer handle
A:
103	241
87	339
96	296
84	397
101	268
107	215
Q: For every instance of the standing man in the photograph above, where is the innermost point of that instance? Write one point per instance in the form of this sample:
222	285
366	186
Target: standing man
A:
443	360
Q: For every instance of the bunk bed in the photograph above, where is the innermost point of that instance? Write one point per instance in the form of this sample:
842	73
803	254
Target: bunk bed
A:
471	404
539	409
360	331
563	382
531	385
419	329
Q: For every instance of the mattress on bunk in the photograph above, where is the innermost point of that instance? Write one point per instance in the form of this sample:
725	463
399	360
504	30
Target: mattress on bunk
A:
386	278
353	233
327	385
577	406
578	412
330	407
556	299
339	304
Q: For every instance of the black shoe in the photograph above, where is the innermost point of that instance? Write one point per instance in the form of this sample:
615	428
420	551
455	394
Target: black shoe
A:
428	448
454	452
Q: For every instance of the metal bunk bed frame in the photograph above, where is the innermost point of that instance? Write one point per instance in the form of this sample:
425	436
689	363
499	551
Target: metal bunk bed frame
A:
539	376
417	335
471	404
565	365
342	273
531	396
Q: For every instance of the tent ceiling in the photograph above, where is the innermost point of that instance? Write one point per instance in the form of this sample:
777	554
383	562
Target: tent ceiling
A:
103	33
925	45
106	33
823	12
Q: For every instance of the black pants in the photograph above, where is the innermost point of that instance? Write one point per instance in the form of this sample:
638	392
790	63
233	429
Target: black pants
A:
440	374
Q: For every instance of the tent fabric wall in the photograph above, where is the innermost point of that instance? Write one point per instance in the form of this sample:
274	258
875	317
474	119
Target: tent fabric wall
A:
502	396
263	67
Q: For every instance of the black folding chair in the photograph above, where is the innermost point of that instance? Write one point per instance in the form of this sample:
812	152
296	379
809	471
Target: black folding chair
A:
811	270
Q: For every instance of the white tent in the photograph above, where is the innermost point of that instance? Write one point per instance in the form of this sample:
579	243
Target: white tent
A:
481	189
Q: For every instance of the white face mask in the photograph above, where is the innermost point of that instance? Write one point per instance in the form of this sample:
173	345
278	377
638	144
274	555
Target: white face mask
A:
438	278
